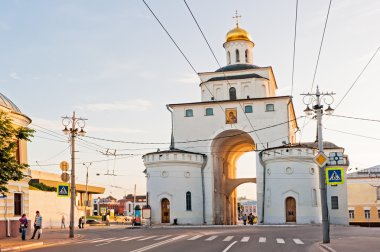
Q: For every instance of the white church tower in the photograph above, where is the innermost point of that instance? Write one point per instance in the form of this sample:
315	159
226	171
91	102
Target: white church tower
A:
195	180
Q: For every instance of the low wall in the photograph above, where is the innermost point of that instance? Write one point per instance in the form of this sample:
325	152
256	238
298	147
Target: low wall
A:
51	208
14	228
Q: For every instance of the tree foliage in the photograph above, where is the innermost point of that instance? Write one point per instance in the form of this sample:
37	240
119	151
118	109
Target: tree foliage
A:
10	168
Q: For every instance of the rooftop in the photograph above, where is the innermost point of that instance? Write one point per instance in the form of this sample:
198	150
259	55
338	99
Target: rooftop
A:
7	103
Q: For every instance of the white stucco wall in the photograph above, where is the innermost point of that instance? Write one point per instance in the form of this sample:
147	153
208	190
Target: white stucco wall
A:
171	175
51	208
291	172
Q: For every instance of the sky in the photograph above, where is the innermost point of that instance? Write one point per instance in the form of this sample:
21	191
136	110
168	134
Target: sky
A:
112	63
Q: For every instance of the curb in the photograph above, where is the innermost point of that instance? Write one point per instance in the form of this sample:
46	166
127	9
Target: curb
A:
326	248
20	247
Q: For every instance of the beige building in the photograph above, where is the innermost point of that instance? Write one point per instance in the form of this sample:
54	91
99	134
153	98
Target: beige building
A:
364	197
52	208
16	201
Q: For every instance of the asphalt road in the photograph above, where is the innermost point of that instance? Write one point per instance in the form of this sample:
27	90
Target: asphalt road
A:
201	239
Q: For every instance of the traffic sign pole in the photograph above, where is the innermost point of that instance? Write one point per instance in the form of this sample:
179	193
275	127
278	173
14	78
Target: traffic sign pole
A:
322	181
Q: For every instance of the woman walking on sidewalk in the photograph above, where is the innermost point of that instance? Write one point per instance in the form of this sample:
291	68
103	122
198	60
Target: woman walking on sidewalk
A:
23	226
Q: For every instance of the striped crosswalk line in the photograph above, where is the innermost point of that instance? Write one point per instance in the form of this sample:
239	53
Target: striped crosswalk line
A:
245	239
133	238
228	238
298	241
262	239
110	240
161	238
147	238
211	238
195	237
280	240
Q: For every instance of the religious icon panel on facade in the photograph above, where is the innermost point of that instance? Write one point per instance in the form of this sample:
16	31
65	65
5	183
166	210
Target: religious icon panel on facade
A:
231	116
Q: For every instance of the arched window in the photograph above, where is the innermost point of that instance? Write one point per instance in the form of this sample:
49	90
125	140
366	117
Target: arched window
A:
188	201
232	93
237	55
246	56
229	58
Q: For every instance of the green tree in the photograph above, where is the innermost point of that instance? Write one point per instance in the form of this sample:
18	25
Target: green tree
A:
10	167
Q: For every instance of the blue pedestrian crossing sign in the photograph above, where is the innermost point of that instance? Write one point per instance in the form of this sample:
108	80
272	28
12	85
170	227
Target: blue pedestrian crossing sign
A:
335	175
63	190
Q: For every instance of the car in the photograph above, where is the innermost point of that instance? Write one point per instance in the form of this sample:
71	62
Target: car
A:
93	222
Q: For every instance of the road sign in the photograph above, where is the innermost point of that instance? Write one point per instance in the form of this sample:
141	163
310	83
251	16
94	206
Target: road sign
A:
334	175
64	166
321	159
63	190
336	158
65	177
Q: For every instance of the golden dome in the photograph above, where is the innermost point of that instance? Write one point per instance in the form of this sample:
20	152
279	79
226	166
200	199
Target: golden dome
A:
238	34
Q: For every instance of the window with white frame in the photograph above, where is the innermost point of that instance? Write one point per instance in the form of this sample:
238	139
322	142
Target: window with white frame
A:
209	111
334	202
17	203
188	113
269	107
351	214
367	214
248	109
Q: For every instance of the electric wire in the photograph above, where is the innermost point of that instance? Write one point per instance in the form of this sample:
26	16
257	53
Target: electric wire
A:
356	118
317	63
353	134
358	77
225	77
294	46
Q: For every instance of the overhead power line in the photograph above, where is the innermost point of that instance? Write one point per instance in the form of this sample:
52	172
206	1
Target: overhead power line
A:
198	140
357	118
320	47
294	46
353	134
357	78
224	74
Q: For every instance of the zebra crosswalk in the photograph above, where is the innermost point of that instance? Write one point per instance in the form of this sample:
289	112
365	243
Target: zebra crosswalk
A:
190	238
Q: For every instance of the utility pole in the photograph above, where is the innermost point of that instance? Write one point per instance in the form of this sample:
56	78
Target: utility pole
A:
73	132
86	198
317	108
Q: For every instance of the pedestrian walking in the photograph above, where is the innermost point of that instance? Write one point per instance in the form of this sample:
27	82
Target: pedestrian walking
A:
63	225
250	219
245	219
80	222
23	226
37	225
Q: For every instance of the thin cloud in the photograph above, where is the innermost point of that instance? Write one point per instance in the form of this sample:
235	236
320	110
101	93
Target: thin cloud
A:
136	105
188	79
14	76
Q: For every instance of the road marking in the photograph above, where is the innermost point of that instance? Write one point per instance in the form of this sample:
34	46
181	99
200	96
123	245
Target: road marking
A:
149	237
211	238
245	239
195	237
158	244
229	246
133	238
161	238
280	240
110	240
298	241
88	240
262	239
228	238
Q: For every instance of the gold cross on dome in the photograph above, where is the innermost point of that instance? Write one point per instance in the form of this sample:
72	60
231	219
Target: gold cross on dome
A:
237	18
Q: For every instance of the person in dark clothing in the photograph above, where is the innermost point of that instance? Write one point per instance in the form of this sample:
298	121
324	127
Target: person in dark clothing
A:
23	226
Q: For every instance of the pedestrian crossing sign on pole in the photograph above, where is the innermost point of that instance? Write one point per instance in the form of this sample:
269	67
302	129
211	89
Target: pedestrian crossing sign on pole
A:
63	190
334	175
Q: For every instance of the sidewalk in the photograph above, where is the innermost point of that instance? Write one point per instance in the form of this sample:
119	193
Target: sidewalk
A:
348	244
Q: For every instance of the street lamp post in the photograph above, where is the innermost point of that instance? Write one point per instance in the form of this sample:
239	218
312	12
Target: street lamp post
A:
317	108
86	198
73	132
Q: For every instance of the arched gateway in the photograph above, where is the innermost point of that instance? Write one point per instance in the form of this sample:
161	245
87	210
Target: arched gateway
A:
227	147
239	111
